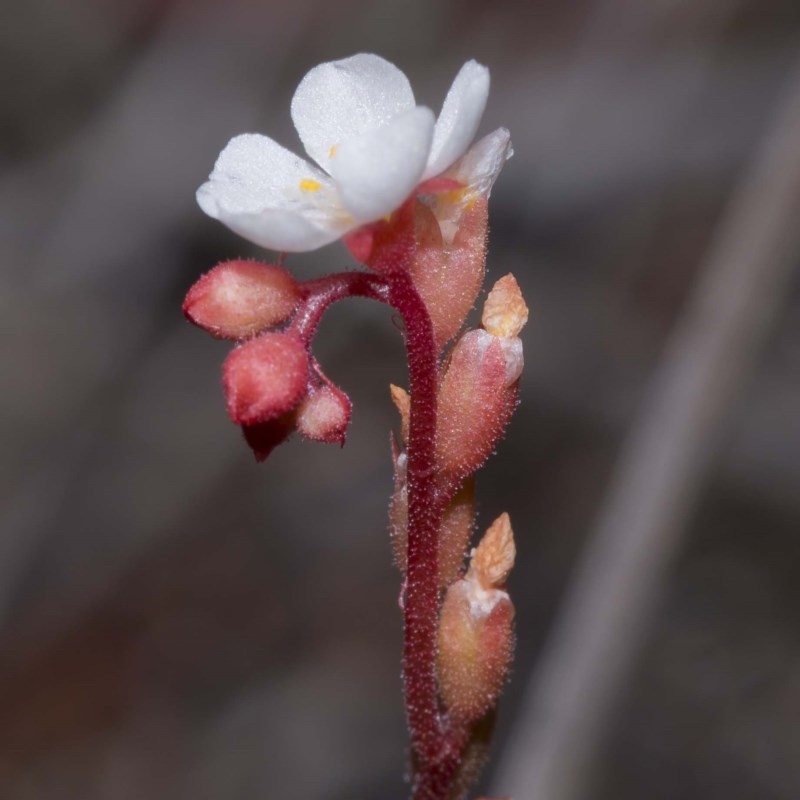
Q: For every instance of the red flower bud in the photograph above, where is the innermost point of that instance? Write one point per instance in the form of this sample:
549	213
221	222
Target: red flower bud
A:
239	298
265	377
324	415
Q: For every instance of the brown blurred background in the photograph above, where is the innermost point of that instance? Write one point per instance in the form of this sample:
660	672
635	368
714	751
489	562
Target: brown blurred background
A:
177	622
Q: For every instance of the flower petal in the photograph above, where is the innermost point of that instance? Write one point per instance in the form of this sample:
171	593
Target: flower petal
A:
272	197
461	114
479	167
341	100
283	231
377	171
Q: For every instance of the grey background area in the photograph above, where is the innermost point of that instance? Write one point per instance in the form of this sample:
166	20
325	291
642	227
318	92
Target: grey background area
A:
177	622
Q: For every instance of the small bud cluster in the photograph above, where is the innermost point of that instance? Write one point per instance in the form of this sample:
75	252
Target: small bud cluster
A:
273	386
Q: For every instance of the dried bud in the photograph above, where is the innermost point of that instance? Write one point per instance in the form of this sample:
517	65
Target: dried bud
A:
476	638
402	402
239	298
449	274
505	312
493	558
324	415
265	377
476	400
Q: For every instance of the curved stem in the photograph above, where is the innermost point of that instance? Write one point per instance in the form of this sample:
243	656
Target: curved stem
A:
321	293
435	746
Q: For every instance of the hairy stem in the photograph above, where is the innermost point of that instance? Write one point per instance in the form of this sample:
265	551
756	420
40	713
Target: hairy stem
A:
321	293
436	749
436	745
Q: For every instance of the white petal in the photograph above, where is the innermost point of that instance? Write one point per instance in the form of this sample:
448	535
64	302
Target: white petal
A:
378	170
272	197
341	100
481	164
281	230
461	114
254	172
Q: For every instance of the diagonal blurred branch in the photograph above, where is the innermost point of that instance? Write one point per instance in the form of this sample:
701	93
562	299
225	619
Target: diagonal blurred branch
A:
710	355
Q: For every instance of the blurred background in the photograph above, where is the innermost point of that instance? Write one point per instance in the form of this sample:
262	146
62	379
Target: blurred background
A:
177	622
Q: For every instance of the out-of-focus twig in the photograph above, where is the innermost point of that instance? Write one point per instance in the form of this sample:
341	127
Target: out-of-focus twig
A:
709	356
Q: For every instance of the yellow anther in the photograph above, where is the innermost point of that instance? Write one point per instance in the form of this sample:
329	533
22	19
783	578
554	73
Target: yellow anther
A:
310	185
332	151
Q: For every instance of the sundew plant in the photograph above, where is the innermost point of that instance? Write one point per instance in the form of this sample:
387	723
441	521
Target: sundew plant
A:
408	195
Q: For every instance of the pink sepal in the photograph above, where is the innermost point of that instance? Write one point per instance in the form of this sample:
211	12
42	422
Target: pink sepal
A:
264	437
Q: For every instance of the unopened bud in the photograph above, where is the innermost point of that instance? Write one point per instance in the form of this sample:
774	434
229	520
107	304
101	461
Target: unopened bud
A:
449	274
239	298
265	377
476	400
324	415
505	312
476	638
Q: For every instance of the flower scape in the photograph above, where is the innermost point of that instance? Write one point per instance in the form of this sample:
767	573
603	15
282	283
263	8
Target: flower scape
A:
407	192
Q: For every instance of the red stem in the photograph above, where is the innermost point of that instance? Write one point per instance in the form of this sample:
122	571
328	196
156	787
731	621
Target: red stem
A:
436	746
321	293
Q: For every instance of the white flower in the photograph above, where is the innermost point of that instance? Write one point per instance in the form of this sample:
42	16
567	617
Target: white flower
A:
358	120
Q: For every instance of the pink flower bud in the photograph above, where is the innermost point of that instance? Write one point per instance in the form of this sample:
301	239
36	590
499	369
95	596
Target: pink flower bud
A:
476	400
476	644
265	377
476	637
324	415
239	298
449	275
